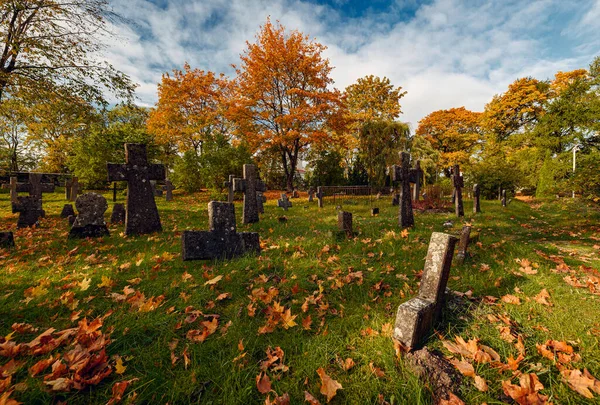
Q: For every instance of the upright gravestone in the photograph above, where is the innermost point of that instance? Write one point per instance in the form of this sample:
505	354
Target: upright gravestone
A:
504	198
395	200
311	194
74	189
345	223
221	241
142	215
118	214
284	202
463	244
457	181
89	222
260	202
416	317
29	209
12	186
402	174
67	211
320	197
168	189
7	240
476	197
35	187
418	176
249	185
229	186
68	185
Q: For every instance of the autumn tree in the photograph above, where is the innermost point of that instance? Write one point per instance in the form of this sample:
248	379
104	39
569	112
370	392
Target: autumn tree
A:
14	153
454	133
190	109
47	44
283	101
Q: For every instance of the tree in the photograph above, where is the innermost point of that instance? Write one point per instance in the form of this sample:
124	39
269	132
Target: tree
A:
52	44
454	132
190	109
14	154
326	168
283	101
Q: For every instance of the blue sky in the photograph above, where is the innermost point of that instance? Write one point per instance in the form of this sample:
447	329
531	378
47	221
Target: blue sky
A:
444	53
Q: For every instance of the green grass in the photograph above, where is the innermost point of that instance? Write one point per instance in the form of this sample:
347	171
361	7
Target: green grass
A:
296	263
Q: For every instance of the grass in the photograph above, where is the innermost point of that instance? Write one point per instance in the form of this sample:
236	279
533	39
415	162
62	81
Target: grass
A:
302	256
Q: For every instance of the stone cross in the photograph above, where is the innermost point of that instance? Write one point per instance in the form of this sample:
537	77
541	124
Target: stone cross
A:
458	183
418	176
284	202
168	189
142	215
89	222
221	241
7	240
35	187
476	196
463	244
13	189
249	185
229	186
29	209
503	198
345	223
416	317
260	202
74	189
320	196
403	174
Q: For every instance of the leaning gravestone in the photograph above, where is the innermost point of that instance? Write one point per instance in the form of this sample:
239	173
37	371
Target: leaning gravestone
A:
284	202
404	174
7	240
463	244
89	222
260	202
118	214
67	211
141	215
221	241
249	185
457	181
416	317
345	223
476	198
168	189
29	209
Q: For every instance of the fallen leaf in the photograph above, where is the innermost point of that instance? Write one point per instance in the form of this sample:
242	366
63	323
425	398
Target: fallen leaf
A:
329	386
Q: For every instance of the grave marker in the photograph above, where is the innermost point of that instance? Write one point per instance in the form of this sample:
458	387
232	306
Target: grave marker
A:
457	181
476	198
249	185
417	176
320	196
89	222
229	186
311	194
260	202
463	244
284	202
68	185
168	189
29	209
345	223
504	198
74	189
403	174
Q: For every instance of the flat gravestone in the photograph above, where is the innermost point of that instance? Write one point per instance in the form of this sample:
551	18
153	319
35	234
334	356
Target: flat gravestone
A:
403	175
284	202
416	317
141	215
221	241
89	222
30	211
345	223
457	181
476	198
118	214
7	240
249	185
463	244
168	189
67	211
260	202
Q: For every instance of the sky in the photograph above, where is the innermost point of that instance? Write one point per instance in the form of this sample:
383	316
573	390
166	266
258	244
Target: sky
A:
444	53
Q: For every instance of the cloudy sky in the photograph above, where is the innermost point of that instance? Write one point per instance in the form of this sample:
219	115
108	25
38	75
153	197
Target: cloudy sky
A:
445	53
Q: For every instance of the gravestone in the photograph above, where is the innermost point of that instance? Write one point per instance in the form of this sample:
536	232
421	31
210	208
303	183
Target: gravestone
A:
283	202
168	189
260	202
295	194
12	186
229	186
118	214
141	215
7	240
89	222
418	176
374	211
114	192
463	244
395	200
67	211
345	223
249	185
476	198
221	241
74	189
416	317
320	197
403	175
504	198
68	185
457	181
29	209
311	194
156	189
35	187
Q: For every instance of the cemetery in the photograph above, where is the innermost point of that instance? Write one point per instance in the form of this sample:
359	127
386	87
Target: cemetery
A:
262	236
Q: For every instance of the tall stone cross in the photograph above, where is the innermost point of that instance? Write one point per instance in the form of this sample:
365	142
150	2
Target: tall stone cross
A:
13	189
418	178
229	186
141	216
476	196
221	241
249	185
457	181
404	174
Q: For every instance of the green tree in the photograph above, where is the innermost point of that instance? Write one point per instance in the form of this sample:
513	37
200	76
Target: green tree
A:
326	169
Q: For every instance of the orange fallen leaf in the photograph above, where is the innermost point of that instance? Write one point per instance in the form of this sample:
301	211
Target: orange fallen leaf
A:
329	386
263	383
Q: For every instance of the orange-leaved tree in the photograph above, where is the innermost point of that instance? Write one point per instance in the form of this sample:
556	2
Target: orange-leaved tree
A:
454	132
190	108
283	102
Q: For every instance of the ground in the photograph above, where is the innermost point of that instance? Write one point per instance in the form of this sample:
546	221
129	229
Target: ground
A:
131	320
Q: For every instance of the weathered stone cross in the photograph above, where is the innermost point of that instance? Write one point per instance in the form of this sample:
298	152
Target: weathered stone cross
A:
168	189
404	174
141	214
418	176
29	209
457	181
249	185
284	202
221	241
35	187
229	186
260	201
